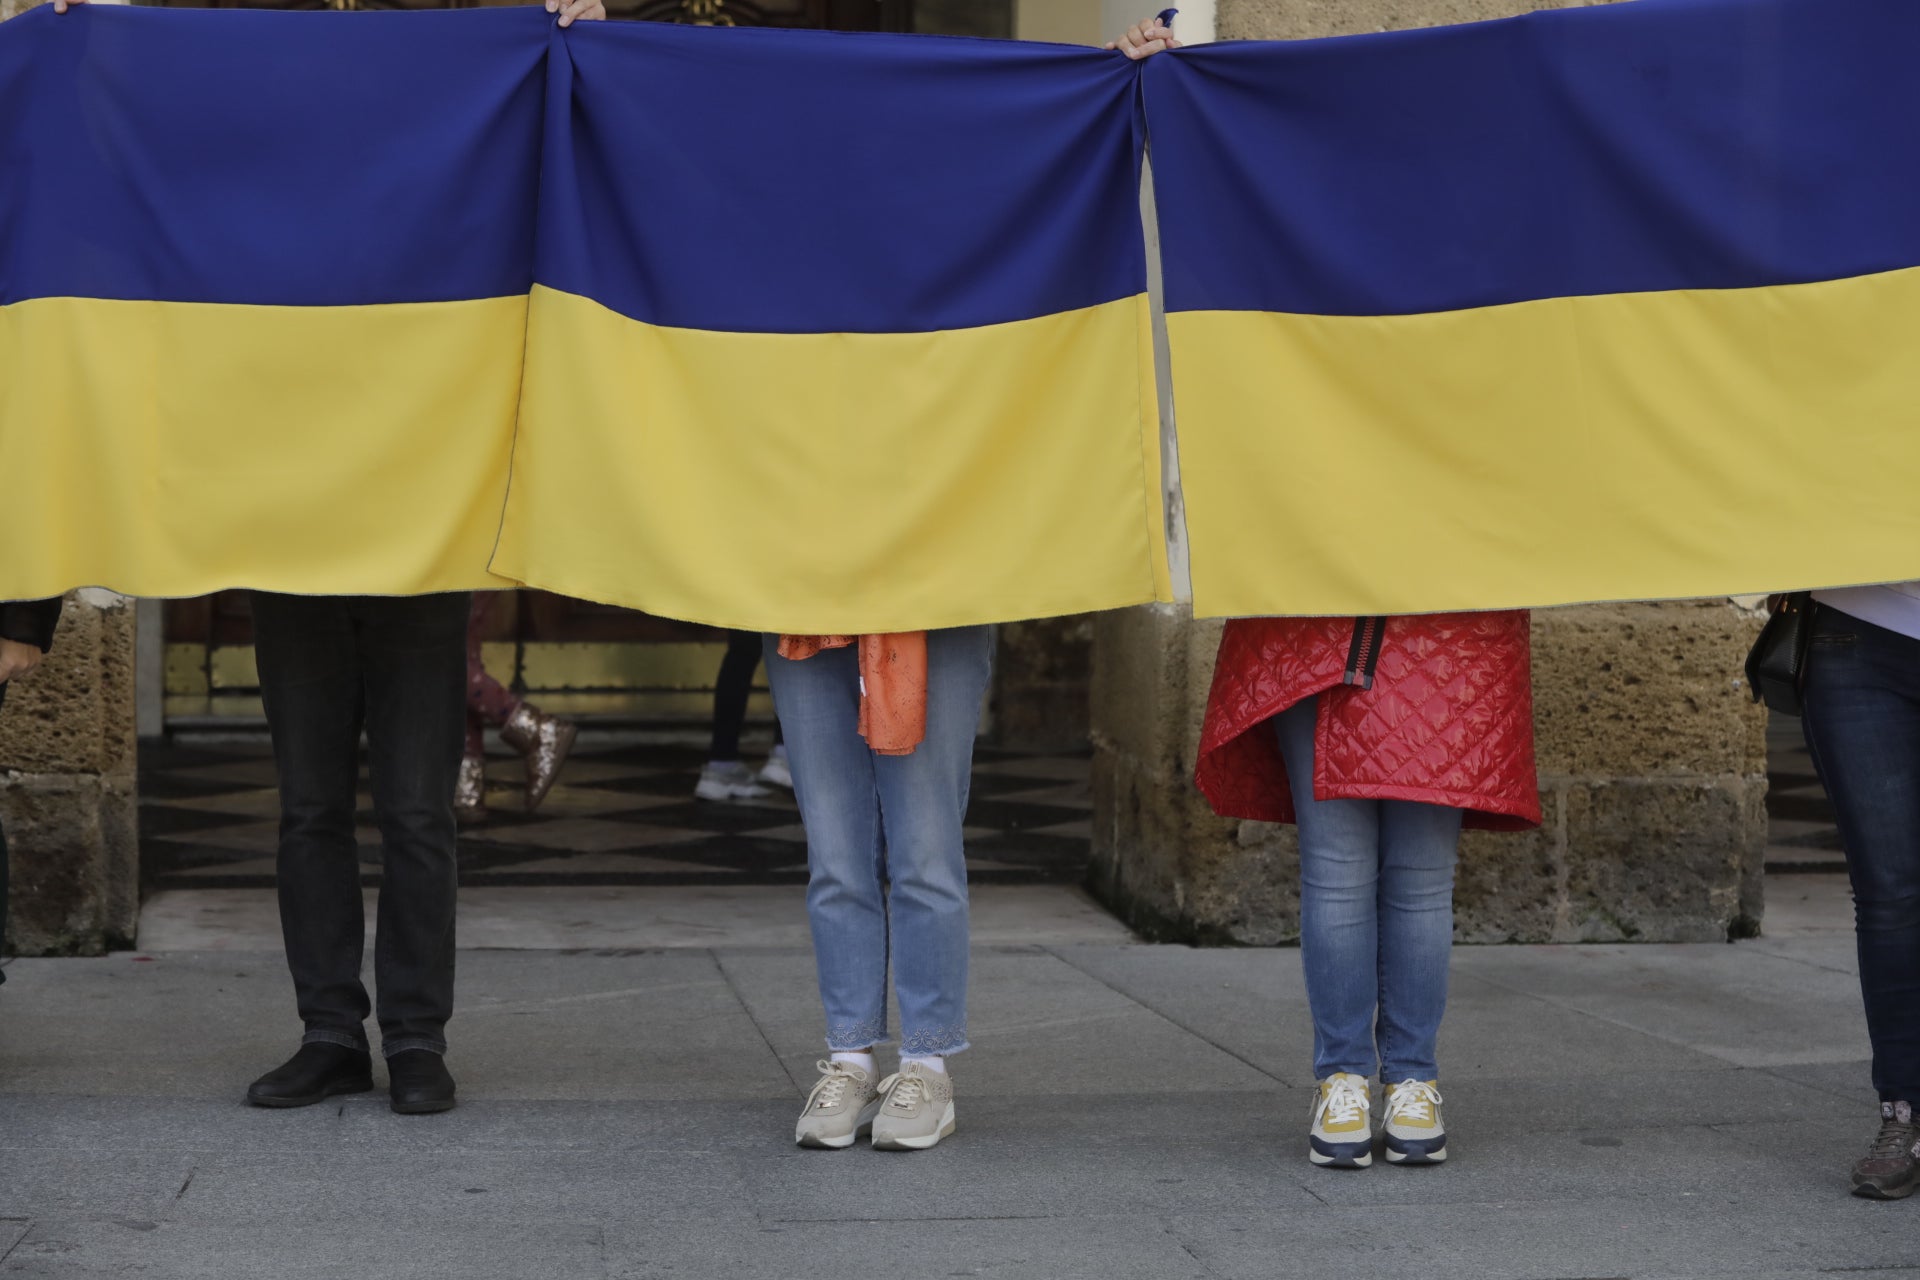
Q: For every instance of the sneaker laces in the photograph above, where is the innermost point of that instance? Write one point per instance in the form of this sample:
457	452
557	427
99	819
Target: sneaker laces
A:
904	1091
1346	1102
834	1079
1895	1141
1414	1100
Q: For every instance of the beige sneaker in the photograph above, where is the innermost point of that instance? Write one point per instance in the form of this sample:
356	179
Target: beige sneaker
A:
916	1110
840	1108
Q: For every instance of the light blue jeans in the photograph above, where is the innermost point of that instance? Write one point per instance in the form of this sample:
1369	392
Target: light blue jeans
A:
1376	919
887	871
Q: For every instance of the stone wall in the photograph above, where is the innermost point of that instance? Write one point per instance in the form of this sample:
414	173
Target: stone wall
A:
1652	763
1651	754
1305	19
67	794
1040	678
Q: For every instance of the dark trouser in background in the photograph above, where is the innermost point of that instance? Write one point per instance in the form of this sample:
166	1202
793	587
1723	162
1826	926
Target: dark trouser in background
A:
329	666
731	690
1862	721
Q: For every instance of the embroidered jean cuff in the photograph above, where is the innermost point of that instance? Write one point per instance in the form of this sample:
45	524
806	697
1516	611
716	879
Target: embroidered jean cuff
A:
852	1037
941	1042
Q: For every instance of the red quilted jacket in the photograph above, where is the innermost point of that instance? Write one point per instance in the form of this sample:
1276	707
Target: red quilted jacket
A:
1436	708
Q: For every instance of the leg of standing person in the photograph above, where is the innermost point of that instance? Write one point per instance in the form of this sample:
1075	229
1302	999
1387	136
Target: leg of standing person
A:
1339	946
310	683
488	701
413	655
833	775
923	806
1419	844
542	741
3	866
1862	724
724	777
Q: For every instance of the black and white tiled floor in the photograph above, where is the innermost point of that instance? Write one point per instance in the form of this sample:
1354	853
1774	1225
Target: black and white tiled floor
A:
623	813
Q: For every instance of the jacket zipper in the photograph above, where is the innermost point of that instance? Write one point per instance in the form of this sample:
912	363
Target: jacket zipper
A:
1363	655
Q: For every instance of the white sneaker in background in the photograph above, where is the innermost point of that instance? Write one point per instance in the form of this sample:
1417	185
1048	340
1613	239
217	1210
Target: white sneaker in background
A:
776	773
727	780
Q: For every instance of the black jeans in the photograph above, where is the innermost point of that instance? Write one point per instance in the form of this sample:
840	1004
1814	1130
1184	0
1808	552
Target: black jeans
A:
1862	721
397	666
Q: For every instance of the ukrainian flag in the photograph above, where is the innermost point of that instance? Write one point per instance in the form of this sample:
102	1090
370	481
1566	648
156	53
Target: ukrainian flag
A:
837	333
263	296
1608	303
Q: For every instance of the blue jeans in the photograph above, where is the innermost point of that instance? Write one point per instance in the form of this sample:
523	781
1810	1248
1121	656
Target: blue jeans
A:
1376	919
887	873
1862	721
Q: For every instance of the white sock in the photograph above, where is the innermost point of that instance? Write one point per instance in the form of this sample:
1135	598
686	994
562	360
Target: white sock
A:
935	1065
864	1061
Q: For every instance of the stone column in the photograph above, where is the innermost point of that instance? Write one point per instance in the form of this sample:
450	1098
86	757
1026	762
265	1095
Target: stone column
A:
1652	757
1040	676
67	793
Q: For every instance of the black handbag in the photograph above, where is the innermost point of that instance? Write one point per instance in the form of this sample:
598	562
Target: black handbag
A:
1777	664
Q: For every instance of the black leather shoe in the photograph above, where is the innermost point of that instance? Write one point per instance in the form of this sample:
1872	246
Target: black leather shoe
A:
420	1082
316	1073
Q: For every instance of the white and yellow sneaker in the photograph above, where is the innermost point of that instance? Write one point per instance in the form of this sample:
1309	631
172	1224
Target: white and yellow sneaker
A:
1341	1136
1410	1126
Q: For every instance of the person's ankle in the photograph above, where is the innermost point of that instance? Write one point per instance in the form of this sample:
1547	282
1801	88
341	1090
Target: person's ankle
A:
861	1058
932	1063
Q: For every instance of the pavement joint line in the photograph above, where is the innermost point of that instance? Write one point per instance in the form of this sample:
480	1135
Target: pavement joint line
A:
1575	1009
1829	1090
1760	947
713	957
1165	1017
18	1240
939	1217
1198	1261
539	1003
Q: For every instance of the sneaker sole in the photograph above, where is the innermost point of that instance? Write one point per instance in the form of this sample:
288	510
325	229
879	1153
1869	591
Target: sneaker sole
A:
726	794
1416	1157
1868	1191
917	1144
312	1099
1339	1162
423	1108
1339	1155
816	1143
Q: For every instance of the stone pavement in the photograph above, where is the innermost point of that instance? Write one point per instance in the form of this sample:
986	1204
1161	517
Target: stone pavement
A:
1130	1111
